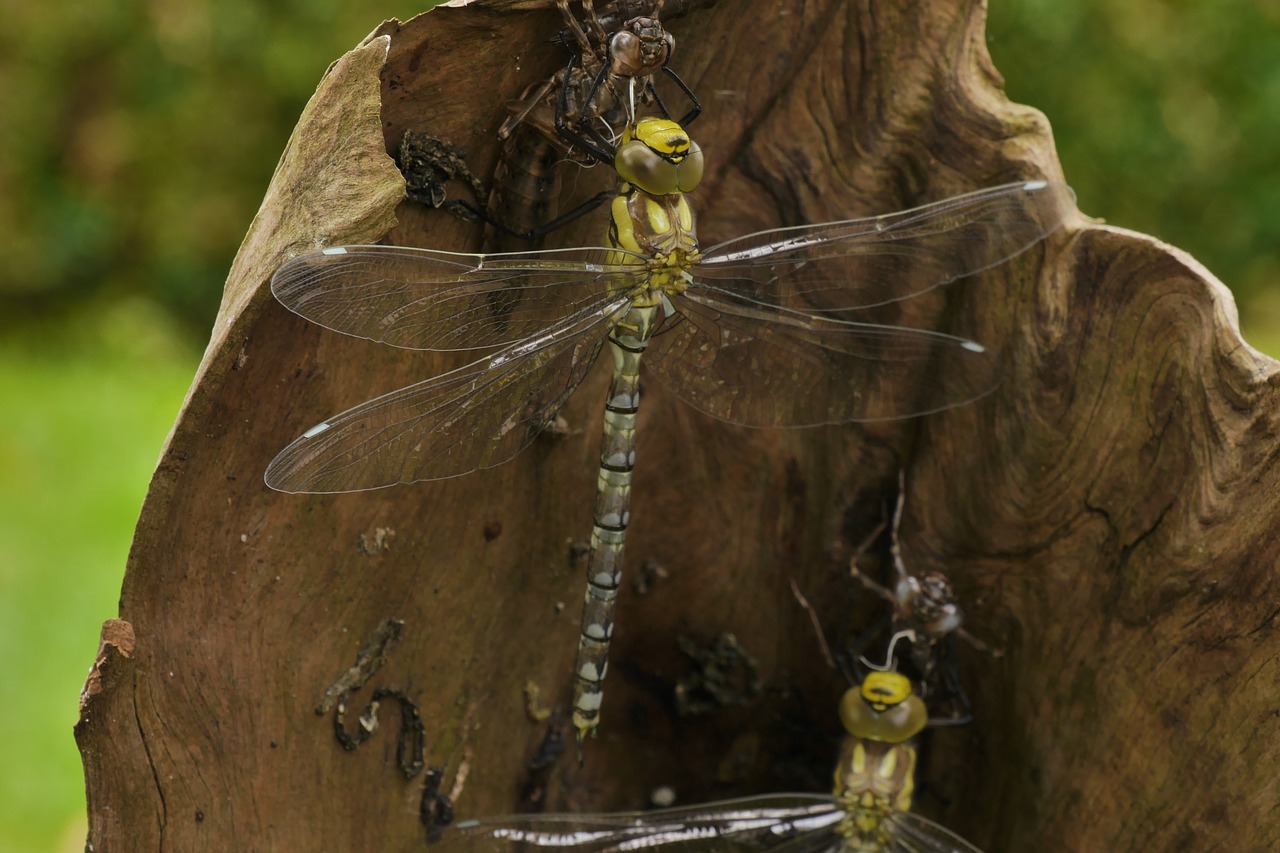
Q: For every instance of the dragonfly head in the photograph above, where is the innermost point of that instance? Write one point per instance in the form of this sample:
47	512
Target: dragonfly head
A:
930	601
657	156
641	46
883	708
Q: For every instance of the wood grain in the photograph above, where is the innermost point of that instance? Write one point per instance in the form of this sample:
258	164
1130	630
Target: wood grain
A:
1109	513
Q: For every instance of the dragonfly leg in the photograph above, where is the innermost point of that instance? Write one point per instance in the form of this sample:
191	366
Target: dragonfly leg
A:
695	106
598	148
950	690
576	31
429	164
545	228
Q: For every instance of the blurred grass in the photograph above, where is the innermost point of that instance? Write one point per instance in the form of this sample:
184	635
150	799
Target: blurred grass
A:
147	136
86	412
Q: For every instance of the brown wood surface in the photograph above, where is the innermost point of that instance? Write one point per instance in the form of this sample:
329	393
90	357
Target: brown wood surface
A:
1110	513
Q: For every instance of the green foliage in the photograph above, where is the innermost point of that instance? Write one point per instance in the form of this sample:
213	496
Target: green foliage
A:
149	131
82	430
148	135
1166	115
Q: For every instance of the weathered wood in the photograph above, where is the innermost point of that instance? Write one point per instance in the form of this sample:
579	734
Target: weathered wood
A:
1110	512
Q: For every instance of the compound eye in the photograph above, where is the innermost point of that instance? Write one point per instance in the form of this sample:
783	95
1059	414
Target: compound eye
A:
628	52
948	620
885	688
689	171
639	164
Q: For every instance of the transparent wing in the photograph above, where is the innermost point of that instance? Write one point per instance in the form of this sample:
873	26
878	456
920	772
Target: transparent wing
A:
884	259
475	417
795	823
912	833
780	368
433	300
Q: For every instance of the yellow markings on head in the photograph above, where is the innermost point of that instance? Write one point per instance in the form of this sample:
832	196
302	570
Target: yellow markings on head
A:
883	708
884	689
660	134
657	156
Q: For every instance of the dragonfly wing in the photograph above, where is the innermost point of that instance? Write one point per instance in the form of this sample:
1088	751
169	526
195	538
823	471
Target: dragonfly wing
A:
776	368
912	833
885	259
754	823
475	417
434	300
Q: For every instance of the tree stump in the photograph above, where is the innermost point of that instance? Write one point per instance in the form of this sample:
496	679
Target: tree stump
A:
1109	514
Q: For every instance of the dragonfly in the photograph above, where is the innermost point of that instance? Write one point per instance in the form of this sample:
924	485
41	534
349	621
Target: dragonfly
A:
781	328
576	114
622	46
868	810
926	611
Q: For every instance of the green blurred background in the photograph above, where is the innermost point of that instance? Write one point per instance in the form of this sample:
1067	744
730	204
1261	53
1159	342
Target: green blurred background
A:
139	137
